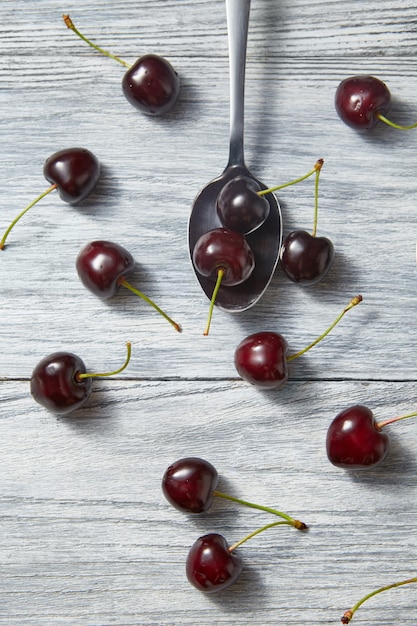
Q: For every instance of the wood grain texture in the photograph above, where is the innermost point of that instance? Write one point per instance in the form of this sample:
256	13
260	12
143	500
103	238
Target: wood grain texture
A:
87	538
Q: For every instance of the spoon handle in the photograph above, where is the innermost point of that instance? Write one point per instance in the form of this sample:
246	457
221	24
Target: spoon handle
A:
237	12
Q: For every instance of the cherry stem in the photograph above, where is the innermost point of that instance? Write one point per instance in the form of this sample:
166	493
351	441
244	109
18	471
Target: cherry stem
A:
42	195
255	532
356	300
70	24
81	377
149	301
347	616
392	420
289	520
318	165
220	274
382	118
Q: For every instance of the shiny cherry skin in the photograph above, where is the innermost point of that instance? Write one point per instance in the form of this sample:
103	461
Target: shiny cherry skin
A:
359	99
54	383
102	266
261	360
75	171
305	258
353	440
222	248
189	484
151	85
210	566
239	206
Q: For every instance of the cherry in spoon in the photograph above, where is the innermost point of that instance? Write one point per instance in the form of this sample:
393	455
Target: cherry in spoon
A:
265	241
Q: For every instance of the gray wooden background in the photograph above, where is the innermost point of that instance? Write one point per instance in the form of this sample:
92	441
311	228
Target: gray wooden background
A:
86	535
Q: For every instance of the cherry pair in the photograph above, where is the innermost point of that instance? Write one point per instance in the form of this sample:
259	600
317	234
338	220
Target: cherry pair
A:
190	484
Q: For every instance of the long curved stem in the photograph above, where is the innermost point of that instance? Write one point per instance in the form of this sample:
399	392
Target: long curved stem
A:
21	214
92	375
316	197
220	274
126	284
289	520
384	119
70	24
356	300
347	616
255	532
317	167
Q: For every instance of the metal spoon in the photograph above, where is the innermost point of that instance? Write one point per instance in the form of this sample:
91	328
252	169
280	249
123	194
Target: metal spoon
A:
266	240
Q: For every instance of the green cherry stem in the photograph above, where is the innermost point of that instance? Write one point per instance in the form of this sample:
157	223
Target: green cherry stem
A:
70	24
126	284
21	214
253	534
318	165
81	377
347	616
392	420
356	300
289	520
382	118
220	274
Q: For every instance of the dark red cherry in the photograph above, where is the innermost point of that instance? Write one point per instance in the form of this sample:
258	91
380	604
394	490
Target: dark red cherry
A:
239	206
305	258
151	85
360	99
102	266
189	484
55	384
210	566
75	171
354	440
261	359
222	248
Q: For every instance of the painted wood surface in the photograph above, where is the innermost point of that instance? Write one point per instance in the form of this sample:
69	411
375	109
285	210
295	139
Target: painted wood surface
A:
87	537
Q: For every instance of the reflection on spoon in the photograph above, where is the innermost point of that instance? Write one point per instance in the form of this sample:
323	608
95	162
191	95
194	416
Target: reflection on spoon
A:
266	240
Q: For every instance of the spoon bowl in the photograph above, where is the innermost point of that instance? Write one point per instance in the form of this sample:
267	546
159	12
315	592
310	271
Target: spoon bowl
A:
266	240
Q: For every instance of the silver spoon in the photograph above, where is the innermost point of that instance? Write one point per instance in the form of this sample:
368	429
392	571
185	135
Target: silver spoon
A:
266	240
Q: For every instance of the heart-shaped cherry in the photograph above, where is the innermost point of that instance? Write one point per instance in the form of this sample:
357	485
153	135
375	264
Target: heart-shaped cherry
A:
306	258
362	101
239	206
61	384
73	171
347	615
261	359
103	266
224	256
355	440
190	484
151	84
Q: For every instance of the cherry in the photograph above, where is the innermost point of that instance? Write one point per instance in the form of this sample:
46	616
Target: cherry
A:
261	359
239	206
151	84
61	384
347	616
224	256
362	101
306	258
189	484
73	171
103	266
356	441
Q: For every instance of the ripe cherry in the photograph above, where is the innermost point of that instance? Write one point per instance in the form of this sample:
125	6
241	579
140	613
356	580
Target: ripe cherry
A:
239	206
225	257
261	359
362	101
61	384
356	441
306	258
73	171
190	484
151	84
103	266
347	615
